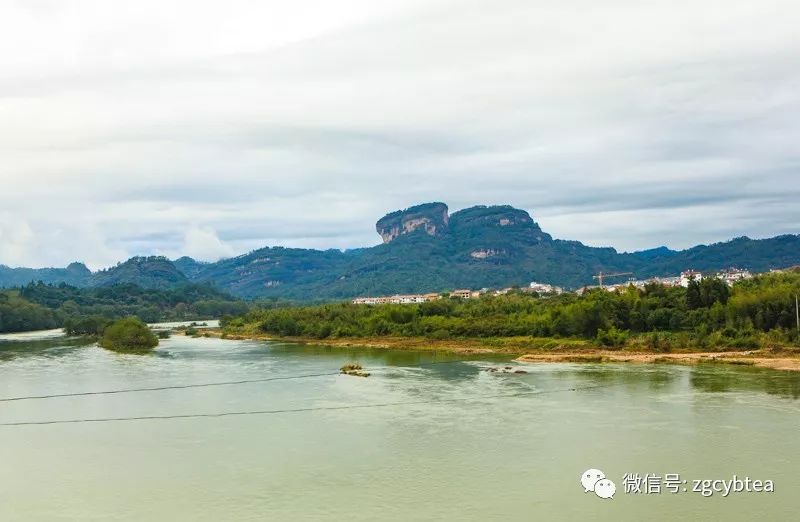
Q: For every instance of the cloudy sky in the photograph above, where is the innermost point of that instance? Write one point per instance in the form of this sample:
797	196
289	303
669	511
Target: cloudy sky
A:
210	128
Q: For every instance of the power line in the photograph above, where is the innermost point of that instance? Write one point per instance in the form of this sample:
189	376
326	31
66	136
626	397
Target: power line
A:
295	410
201	385
162	388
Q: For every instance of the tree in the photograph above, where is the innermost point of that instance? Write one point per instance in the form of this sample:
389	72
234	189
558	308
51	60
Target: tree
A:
694	299
92	325
713	290
128	335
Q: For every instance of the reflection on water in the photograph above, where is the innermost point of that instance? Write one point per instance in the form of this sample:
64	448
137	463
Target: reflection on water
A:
380	356
719	378
448	441
31	336
44	347
199	324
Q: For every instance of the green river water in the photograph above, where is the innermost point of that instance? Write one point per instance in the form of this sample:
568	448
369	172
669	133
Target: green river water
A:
446	441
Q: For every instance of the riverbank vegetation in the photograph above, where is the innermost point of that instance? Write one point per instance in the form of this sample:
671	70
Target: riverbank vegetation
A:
39	306
706	316
129	335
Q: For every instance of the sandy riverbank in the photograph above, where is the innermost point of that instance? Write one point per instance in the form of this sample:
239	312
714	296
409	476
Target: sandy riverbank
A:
544	350
759	358
510	345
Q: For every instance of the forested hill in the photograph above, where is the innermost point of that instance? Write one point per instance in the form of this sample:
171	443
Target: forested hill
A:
74	274
146	272
425	248
39	306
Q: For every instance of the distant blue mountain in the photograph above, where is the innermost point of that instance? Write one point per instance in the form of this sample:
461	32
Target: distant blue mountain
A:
74	274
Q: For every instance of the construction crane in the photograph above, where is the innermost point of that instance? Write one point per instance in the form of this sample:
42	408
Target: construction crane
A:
600	276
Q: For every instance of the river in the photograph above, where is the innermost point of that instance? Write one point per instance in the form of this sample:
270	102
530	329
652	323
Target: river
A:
439	439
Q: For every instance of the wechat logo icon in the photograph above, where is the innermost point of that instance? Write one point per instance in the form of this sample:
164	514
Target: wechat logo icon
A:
595	481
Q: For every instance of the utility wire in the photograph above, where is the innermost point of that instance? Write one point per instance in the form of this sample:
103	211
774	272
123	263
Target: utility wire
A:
202	385
161	388
296	410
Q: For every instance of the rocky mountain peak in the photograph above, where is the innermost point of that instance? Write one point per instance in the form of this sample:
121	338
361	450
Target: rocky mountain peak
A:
78	269
433	218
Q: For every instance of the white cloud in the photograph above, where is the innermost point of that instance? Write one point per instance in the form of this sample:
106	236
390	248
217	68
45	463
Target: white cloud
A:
16	239
128	127
203	244
48	242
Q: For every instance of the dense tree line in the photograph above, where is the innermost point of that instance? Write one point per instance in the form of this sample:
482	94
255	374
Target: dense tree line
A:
85	310
19	315
706	314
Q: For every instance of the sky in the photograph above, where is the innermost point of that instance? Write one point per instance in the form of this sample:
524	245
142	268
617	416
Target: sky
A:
211	128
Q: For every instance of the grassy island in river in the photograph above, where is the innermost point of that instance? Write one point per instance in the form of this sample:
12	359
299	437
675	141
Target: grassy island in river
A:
129	335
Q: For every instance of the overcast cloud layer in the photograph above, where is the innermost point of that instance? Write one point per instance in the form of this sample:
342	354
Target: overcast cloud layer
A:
210	128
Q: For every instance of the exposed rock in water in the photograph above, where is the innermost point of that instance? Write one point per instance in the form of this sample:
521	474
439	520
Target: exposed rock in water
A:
506	369
353	369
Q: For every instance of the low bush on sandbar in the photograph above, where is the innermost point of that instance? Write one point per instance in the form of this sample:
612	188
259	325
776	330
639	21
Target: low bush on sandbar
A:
129	335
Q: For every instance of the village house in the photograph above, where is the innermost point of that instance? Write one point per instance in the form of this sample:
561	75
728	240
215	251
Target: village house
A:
732	275
669	281
407	299
544	288
729	276
397	299
688	276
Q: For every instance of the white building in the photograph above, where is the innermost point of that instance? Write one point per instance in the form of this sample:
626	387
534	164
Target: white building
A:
689	276
544	288
396	299
732	275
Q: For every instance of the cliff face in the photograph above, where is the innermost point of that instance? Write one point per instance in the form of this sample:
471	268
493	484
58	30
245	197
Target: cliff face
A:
430	217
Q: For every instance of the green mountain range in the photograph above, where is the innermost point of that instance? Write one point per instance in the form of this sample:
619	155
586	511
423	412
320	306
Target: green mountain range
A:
425	249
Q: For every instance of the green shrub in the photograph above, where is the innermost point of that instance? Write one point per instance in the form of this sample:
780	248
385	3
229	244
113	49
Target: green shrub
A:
612	338
439	334
746	341
129	335
658	342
